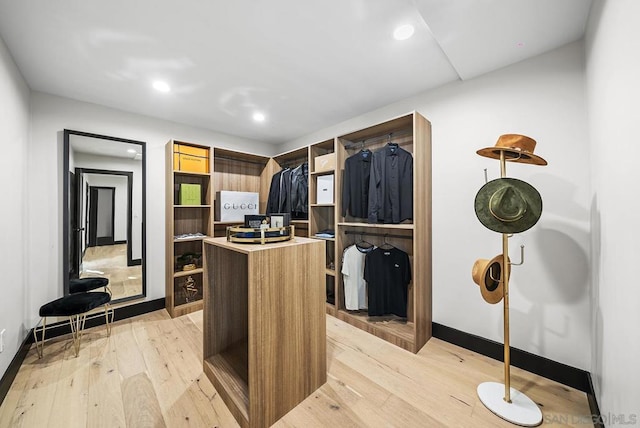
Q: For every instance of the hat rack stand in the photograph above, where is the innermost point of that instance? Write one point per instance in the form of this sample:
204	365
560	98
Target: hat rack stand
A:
504	401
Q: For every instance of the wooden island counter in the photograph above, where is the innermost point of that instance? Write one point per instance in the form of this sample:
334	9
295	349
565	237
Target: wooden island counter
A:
264	325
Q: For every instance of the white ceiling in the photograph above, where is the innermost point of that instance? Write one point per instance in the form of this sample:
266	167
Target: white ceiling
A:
305	65
97	146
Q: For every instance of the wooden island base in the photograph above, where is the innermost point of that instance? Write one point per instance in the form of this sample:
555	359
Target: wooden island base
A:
264	325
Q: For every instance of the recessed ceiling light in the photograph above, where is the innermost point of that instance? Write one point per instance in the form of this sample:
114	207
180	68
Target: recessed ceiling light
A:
131	150
403	32
258	117
161	86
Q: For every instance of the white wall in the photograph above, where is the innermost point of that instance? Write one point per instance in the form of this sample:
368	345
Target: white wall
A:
613	70
14	128
543	98
52	114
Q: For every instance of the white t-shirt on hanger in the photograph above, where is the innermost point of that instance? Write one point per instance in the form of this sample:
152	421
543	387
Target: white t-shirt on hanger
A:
355	287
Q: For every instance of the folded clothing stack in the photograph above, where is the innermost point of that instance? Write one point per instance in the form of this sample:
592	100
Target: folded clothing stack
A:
327	233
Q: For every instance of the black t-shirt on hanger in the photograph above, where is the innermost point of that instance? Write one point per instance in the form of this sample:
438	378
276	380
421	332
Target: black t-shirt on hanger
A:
388	273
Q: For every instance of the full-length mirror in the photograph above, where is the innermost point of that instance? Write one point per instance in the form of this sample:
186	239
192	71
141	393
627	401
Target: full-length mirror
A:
104	214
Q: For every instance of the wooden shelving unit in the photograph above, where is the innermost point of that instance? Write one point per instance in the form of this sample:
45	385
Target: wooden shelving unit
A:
185	219
231	170
292	159
323	216
412	132
239	172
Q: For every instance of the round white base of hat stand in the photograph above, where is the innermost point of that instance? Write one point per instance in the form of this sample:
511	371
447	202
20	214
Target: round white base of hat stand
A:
521	411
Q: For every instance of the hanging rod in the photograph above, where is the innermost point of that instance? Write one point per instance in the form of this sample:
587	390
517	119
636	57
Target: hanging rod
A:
379	138
385	235
293	162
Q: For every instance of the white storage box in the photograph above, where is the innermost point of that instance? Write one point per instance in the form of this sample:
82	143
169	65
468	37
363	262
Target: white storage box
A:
233	206
324	194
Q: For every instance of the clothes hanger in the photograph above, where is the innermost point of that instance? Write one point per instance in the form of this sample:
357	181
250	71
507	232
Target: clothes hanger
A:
393	147
385	245
363	152
364	246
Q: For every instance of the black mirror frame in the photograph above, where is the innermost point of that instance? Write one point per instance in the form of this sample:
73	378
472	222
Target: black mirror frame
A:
66	215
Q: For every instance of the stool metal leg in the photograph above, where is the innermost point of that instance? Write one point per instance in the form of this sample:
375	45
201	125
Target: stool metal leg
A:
76	322
108	311
40	343
108	317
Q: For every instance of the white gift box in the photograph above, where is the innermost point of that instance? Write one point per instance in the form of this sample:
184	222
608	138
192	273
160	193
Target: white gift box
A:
324	194
233	206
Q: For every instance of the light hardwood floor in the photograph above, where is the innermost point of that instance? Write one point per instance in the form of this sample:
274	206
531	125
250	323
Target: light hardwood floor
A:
110	261
149	374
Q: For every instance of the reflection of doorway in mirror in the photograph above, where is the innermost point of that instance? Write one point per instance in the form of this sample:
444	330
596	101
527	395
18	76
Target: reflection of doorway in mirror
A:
110	261
101	216
104	211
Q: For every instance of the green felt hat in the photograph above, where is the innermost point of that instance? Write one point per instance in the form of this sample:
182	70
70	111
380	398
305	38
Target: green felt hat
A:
508	205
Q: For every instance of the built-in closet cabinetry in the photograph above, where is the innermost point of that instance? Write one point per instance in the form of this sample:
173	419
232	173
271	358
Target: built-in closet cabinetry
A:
186	227
239	172
322	215
225	170
293	159
412	133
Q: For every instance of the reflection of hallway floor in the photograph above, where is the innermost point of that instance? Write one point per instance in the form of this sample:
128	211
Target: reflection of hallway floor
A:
110	261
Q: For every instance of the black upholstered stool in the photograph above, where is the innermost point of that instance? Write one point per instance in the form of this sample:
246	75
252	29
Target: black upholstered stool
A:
82	285
75	306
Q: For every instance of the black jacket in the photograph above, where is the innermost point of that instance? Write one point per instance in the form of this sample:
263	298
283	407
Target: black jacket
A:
273	202
299	193
355	184
391	185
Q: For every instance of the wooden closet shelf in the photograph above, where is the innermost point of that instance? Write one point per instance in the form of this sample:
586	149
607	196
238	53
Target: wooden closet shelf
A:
181	273
327	172
378	225
195	238
200	174
392	329
186	308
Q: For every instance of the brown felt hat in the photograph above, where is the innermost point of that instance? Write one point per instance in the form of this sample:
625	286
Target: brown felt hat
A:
488	275
517	148
508	205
